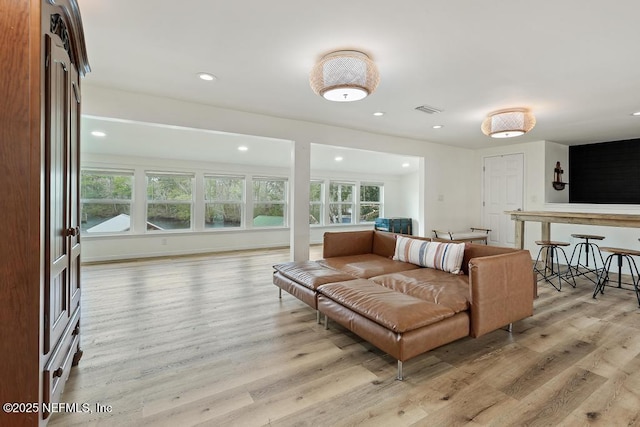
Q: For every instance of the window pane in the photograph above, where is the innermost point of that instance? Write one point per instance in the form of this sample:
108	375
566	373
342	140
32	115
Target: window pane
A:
169	187
218	215
102	185
369	212
223	189
168	216
265	190
339	192
268	215
315	192
105	217
105	198
369	193
315	214
340	213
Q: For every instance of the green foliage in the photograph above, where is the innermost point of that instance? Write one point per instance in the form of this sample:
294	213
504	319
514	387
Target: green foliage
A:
370	193
95	186
223	189
341	192
267	190
169	187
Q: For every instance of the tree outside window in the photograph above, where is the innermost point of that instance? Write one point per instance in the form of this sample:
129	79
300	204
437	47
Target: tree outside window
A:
269	202
169	201
341	203
370	202
315	203
105	201
224	201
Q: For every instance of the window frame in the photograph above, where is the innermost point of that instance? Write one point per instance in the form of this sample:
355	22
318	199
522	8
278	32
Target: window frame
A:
379	203
341	203
128	202
190	202
242	203
320	202
284	202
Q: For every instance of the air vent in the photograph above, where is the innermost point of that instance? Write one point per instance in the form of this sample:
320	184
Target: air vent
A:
429	110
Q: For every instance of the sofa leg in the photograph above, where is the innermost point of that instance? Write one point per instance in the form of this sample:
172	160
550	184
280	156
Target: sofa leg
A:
280	293
399	377
510	328
318	317
326	321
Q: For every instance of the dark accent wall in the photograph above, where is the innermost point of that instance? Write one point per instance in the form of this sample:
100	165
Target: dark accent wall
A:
607	172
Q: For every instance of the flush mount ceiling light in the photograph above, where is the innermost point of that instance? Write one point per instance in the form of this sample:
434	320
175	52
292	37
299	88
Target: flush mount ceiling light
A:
508	123
344	76
99	133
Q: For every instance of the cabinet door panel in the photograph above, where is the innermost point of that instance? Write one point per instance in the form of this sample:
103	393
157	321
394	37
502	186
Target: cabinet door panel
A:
74	188
56	193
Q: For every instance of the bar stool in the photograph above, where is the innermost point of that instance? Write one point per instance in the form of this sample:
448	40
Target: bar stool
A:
588	248
551	250
619	254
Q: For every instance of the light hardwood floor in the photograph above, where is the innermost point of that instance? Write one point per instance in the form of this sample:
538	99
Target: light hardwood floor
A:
204	340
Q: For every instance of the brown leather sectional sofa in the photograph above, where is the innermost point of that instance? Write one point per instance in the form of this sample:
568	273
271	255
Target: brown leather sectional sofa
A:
402	308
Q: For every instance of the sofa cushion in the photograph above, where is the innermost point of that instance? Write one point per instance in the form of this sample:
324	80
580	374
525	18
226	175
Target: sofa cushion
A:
436	286
393	310
366	265
311	274
441	256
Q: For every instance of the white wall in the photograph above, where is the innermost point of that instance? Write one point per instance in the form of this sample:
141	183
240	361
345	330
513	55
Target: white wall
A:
446	194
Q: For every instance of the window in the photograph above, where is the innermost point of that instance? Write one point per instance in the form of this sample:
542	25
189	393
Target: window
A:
105	201
223	201
370	202
169	201
315	203
341	202
269	202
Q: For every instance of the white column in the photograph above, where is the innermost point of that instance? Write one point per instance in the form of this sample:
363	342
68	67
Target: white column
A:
422	199
299	204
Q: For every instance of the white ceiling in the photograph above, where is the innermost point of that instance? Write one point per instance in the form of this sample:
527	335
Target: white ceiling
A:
574	63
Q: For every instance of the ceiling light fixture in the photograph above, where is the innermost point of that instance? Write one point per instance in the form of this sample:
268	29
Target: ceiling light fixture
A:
344	76
437	126
508	123
98	133
243	148
637	113
206	76
338	159
378	113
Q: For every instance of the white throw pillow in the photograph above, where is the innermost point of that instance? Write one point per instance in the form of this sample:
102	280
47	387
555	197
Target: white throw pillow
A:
441	256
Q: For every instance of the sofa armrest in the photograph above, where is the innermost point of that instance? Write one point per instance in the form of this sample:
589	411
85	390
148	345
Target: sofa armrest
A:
501	290
347	243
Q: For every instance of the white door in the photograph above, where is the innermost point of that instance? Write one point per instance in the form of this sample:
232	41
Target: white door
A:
503	178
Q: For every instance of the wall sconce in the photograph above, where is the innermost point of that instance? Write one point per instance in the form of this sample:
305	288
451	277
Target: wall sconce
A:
557	178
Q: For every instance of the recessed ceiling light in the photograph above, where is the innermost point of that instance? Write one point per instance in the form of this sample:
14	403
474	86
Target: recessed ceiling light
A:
637	113
339	159
406	165
438	126
243	148
378	113
206	76
98	133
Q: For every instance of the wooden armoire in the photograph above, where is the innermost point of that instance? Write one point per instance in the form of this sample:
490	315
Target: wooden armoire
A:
43	58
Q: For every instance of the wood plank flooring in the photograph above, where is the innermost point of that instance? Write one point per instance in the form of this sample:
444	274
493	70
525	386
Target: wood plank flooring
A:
205	341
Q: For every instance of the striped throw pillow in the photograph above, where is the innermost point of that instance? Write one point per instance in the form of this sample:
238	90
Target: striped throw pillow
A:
438	255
